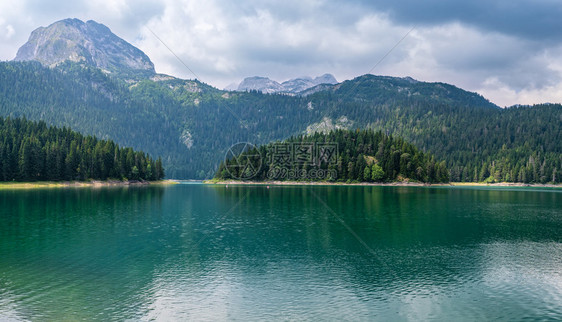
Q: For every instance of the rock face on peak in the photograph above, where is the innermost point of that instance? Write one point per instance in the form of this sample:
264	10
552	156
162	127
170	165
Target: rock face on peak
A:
88	42
300	84
262	84
325	79
293	86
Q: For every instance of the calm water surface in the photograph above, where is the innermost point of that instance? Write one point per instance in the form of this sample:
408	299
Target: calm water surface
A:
198	252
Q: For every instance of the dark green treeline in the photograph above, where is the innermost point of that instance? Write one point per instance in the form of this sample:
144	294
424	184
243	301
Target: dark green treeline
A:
31	151
361	156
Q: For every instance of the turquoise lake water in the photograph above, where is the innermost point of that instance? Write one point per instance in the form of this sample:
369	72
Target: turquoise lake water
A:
329	253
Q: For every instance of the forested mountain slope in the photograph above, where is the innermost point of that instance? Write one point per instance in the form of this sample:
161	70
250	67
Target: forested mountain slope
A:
478	141
191	124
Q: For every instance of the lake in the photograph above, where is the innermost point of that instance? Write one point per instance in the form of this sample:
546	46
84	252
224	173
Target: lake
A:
203	252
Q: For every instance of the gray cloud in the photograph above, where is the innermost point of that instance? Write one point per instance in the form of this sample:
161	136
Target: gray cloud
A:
531	19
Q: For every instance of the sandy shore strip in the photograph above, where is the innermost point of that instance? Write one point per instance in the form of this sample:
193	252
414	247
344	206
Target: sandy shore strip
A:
390	184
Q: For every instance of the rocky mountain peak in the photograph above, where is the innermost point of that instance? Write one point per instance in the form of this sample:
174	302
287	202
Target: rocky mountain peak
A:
292	86
262	84
89	42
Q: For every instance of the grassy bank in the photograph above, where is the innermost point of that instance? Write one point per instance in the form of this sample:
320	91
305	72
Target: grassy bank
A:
505	184
66	184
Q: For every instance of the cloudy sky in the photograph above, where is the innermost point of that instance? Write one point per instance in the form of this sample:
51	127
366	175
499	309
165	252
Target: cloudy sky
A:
510	51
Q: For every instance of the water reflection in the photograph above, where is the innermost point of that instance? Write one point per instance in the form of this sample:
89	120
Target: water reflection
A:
243	252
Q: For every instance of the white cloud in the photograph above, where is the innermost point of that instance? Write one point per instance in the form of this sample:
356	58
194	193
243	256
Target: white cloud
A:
9	31
504	69
220	46
113	9
497	91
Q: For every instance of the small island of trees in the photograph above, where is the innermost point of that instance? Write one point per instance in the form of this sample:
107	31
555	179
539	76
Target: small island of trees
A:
359	156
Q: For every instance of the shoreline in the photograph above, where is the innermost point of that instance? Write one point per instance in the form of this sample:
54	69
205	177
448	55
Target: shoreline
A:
79	184
390	184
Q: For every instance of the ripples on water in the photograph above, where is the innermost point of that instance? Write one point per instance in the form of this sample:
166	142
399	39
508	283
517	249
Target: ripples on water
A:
250	253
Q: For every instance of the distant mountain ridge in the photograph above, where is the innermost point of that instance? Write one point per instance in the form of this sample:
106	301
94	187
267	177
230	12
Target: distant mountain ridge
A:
88	42
292	86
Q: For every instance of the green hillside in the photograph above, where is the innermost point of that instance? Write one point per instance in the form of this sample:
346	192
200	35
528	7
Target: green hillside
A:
191	125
